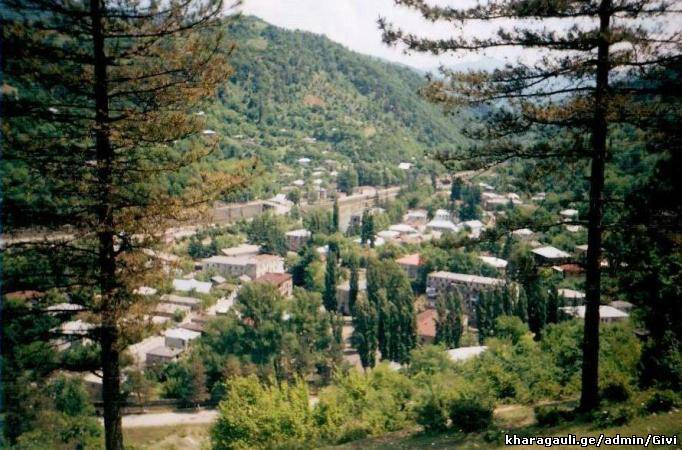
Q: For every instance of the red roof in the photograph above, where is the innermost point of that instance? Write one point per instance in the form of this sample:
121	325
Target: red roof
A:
410	260
274	278
571	268
426	323
23	295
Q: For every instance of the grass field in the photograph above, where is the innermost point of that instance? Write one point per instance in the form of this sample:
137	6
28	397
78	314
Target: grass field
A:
183	437
668	423
517	418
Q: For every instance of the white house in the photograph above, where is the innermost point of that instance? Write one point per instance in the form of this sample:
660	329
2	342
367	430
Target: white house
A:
607	314
201	287
179	337
465	353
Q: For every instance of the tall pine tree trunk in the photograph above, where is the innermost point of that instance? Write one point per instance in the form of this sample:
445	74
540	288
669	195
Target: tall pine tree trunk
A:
105	233
589	398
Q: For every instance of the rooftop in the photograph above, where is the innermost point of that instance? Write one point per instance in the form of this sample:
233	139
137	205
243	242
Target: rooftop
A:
301	232
550	252
466	278
181	333
604	312
165	352
243	249
570	293
426	323
171	298
497	263
464	353
192	285
274	278
410	260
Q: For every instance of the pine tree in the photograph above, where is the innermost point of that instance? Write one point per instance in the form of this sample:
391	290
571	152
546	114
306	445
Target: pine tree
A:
456	189
330	279
521	306
101	100
449	325
537	308
586	45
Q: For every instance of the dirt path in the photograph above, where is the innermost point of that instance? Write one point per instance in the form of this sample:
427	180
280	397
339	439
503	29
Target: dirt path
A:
199	417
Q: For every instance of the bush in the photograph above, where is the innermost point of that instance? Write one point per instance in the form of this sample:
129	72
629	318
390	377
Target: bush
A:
662	401
471	414
432	413
612	417
549	416
616	391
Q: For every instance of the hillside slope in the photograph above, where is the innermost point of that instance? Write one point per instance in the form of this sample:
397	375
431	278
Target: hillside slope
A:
297	94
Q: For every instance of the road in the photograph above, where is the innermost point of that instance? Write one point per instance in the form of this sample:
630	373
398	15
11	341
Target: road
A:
165	419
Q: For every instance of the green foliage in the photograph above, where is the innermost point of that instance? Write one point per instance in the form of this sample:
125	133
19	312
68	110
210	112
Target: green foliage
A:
254	415
71	397
449	325
470	414
550	416
376	402
432	412
511	328
331	278
662	401
365	331
267	230
430	360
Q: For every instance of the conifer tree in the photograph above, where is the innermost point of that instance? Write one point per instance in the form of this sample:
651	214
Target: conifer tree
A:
571	92
101	100
365	331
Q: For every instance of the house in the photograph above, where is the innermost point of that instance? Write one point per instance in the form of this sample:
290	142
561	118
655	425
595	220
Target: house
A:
170	310
568	215
549	255
304	161
539	197
524	234
403	228
465	353
388	235
569	270
498	263
179	337
469	286
282	281
410	264
145	290
622	305
218	280
404	166
190	302
607	314
441	222
241	250
297	239
162	355
190	285
416	217
572	297
343	292
253	266
426	326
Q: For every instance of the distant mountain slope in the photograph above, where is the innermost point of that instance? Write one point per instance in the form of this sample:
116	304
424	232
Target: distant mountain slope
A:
298	94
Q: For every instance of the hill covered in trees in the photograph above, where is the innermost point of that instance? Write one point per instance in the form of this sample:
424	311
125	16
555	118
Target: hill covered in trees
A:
296	94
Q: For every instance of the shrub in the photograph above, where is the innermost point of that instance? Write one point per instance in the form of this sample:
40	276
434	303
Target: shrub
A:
549	416
511	328
431	412
616	391
612	417
662	401
471	414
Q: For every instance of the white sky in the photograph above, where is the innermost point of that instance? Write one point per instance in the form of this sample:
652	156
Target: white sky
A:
353	23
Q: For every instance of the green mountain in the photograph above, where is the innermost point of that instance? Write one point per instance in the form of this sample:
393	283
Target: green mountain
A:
296	94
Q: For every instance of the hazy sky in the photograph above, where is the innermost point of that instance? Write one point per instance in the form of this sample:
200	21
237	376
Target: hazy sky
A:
353	23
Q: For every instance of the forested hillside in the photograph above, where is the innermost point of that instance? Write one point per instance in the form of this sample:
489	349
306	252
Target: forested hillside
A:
296	94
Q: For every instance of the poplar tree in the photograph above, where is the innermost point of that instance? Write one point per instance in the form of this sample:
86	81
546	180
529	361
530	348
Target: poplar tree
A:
101	100
572	91
335	216
449	322
365	331
331	277
353	286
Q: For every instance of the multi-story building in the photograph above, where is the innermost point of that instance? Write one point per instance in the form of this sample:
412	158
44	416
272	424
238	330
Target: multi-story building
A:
469	287
296	239
252	266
